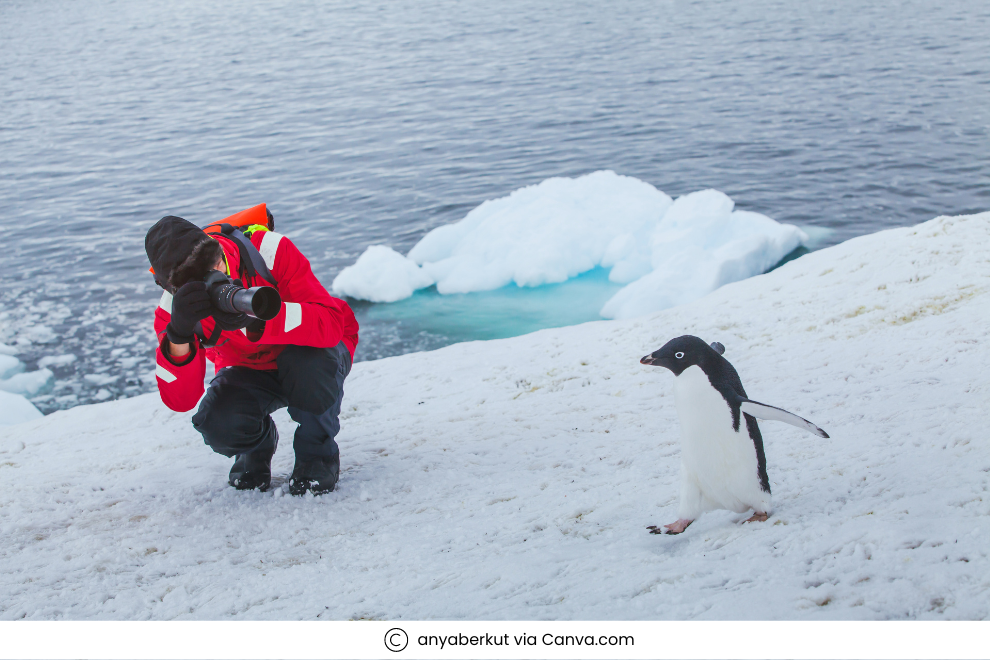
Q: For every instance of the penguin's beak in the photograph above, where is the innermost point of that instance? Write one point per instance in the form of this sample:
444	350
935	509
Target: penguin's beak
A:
654	361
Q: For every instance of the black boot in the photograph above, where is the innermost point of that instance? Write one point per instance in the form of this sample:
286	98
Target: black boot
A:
254	470
317	474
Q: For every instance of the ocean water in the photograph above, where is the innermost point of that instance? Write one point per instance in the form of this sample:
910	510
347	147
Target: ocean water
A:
363	123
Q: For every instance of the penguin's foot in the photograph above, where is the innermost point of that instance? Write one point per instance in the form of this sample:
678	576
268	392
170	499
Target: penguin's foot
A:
672	528
757	517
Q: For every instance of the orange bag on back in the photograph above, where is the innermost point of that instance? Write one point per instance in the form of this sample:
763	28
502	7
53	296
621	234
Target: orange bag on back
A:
256	215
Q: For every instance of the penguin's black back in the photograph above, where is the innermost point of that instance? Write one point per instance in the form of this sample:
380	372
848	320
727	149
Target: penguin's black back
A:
724	378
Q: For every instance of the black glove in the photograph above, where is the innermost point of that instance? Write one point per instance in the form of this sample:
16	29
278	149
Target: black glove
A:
228	321
255	328
231	320
190	305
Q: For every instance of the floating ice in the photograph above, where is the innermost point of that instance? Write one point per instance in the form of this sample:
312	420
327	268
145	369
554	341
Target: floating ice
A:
37	334
9	365
101	379
29	383
698	246
57	360
15	386
381	275
15	409
14	379
540	234
666	252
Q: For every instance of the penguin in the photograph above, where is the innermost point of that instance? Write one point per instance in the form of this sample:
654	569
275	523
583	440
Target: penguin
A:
723	465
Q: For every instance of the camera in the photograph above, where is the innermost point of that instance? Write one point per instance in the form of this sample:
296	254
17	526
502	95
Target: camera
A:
261	302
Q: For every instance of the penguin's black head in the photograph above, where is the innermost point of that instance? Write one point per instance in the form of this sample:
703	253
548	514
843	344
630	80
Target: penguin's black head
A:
681	353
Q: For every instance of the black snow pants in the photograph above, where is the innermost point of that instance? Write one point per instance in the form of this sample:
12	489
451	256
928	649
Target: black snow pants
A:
235	415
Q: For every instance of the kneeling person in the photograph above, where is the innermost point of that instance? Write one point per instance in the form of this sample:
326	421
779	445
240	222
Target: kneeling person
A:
298	359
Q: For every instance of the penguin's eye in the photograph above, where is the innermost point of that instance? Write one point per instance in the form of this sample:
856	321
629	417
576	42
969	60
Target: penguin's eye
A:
678	355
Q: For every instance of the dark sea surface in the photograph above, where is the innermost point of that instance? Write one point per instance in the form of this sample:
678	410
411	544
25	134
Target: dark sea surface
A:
372	122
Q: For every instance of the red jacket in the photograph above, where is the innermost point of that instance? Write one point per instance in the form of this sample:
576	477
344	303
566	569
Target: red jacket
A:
309	317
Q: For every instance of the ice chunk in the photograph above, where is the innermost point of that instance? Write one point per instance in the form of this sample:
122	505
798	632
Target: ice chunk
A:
380	275
30	383
700	245
665	252
37	334
101	379
540	234
9	365
56	360
15	409
818	237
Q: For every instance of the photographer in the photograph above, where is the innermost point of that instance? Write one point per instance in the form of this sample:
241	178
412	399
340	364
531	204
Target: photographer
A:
299	358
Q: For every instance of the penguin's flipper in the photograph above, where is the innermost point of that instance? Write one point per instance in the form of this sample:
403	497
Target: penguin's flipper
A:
763	411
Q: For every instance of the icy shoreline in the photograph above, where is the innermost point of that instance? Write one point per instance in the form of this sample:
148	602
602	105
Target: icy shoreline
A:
514	478
17	384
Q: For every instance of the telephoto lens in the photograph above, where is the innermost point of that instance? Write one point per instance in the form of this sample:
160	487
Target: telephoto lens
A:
261	302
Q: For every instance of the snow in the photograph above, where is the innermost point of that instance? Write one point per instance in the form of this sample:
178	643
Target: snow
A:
667	252
515	478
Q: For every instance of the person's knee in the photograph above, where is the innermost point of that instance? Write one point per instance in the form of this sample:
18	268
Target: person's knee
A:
307	361
230	420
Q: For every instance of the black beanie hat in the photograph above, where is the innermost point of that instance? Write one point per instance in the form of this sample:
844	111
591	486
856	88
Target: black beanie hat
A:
169	243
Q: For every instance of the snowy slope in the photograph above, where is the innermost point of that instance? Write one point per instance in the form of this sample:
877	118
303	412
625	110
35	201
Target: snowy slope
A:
515	478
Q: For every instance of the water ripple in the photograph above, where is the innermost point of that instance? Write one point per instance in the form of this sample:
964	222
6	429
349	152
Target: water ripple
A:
364	123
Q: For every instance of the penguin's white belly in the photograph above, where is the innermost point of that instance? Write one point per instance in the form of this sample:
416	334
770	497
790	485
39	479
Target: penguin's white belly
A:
719	461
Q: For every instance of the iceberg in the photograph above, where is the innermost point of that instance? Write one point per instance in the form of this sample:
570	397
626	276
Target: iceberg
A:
700	245
666	252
